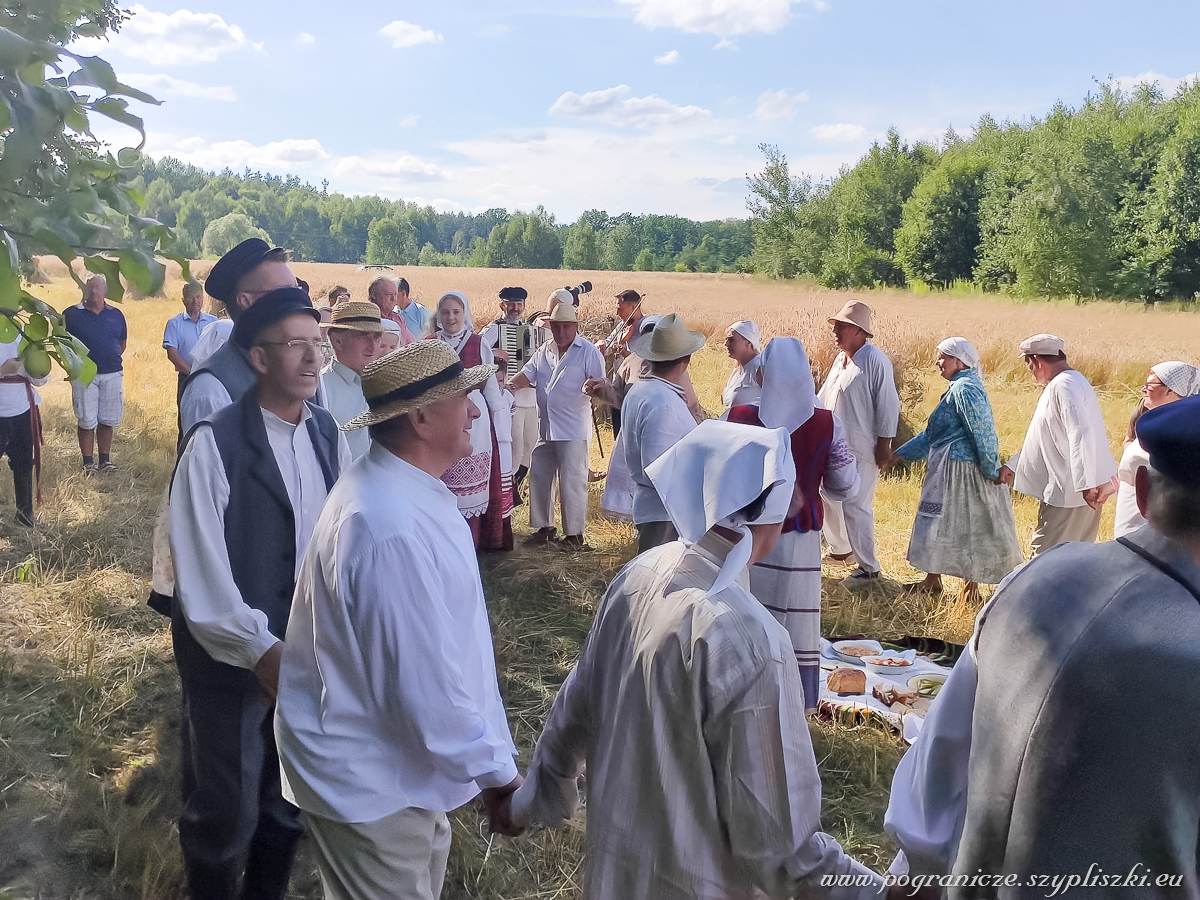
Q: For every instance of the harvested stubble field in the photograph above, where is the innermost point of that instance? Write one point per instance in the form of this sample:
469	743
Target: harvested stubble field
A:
88	692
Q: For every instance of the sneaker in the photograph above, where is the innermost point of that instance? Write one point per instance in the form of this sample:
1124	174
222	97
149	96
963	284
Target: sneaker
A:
107	466
572	543
860	578
541	537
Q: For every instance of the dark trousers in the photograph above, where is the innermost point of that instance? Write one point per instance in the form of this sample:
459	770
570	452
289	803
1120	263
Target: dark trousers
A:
655	534
616	420
234	816
16	440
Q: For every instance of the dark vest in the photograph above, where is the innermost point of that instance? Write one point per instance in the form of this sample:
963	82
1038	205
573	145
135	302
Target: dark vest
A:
260	528
230	366
810	451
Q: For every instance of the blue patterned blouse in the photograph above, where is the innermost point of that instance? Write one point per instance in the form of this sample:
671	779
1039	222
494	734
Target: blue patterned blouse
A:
963	419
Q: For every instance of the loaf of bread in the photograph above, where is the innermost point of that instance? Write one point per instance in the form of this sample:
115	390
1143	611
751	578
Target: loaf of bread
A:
848	681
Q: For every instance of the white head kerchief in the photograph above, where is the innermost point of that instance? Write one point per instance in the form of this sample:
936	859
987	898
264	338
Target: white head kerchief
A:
646	324
459	338
717	470
747	329
961	349
1179	377
788	392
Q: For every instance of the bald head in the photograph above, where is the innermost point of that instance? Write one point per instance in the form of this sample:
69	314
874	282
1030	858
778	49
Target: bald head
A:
94	290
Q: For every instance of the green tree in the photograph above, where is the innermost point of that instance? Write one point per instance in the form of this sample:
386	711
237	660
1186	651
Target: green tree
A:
938	240
645	261
619	248
225	233
391	242
582	249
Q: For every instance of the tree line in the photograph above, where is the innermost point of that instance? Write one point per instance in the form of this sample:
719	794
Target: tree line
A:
1102	200
211	212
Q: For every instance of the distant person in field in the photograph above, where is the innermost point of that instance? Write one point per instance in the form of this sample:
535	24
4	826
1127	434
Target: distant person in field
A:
687	708
99	405
390	339
1065	461
21	428
249	271
558	370
389	713
246	495
416	316
355	333
629	315
182	333
656	418
743	341
1165	383
525	416
384	293
860	389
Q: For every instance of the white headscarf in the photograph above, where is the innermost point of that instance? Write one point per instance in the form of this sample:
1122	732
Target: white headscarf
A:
646	324
961	349
713	473
788	391
747	329
468	325
1179	377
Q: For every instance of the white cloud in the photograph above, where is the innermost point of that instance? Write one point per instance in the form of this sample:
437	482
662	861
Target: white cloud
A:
406	169
405	34
179	38
1166	83
410	121
778	104
164	85
842	132
614	106
279	157
719	17
725	44
306	38
727	141
667	59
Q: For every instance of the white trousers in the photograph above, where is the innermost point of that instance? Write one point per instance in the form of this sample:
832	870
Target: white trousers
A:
401	857
568	460
524	435
850	524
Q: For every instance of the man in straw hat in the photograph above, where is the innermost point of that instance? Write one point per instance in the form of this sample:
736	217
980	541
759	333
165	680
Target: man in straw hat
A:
1041	754
860	390
656	417
1065	461
687	706
245	498
389	712
355	332
558	369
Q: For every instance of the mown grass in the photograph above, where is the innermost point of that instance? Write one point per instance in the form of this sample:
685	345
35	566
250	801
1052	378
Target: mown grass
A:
89	698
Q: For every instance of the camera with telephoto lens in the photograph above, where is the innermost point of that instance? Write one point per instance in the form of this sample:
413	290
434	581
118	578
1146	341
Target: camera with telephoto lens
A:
584	287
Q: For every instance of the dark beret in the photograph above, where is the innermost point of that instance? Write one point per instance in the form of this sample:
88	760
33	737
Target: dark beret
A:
221	282
269	309
514	293
1170	434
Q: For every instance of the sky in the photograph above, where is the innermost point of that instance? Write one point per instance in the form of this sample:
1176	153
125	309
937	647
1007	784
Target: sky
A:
642	106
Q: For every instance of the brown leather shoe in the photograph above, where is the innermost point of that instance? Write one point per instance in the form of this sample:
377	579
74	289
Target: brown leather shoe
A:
541	537
572	543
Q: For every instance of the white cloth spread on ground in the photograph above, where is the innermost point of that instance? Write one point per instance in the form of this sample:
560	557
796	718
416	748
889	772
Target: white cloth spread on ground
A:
1066	448
342	395
387	691
653	418
225	626
564	410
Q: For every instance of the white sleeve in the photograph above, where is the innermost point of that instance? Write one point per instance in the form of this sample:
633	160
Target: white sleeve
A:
231	631
887	400
840	481
203	396
345	457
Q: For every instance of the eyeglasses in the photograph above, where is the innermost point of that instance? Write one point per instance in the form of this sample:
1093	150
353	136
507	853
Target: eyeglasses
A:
292	346
1151	385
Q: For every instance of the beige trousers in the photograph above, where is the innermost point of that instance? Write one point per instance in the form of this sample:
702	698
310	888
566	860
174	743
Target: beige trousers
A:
850	524
1056	525
401	857
568	460
524	435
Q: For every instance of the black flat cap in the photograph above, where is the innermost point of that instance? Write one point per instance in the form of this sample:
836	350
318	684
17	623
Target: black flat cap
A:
514	293
221	282
1170	434
269	309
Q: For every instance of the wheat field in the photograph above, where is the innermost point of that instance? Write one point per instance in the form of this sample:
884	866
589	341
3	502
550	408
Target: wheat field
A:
88	692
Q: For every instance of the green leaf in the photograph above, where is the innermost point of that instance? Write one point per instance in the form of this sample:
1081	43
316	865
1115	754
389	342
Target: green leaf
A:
118	111
70	360
8	329
143	270
10	275
15	50
96	72
52	243
37	328
87	372
111	270
5	115
10	244
184	263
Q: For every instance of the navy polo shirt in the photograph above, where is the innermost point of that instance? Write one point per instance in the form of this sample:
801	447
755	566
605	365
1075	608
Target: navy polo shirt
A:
102	333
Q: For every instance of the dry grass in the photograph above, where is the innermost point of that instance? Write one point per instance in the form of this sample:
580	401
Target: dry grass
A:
88	691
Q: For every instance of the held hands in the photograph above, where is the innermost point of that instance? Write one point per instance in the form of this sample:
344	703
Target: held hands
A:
266	670
1095	497
593	386
497	803
1005	476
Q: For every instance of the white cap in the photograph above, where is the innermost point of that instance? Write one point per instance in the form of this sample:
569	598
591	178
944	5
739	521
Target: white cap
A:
1043	345
747	329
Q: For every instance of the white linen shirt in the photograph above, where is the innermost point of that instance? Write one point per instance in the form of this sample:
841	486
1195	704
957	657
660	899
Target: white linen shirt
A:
654	417
1128	518
342	395
226	627
212	339
564	410
742	388
203	396
1066	448
861	391
387	690
701	778
14	399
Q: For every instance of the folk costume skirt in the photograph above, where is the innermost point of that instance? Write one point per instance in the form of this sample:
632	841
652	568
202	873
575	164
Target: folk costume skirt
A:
971	533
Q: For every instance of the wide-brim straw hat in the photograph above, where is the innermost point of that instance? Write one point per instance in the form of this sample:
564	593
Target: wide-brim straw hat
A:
413	376
670	339
857	313
355	315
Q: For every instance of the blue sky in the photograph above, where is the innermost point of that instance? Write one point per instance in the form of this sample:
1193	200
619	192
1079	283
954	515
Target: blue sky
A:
647	106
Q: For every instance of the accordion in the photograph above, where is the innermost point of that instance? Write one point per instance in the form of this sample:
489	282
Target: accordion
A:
520	342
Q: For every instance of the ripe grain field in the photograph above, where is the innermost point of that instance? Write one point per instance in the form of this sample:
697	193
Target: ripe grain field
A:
88	692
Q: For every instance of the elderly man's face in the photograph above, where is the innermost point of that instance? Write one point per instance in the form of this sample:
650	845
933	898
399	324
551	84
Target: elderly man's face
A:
564	334
625	309
385	298
287	356
192	304
848	337
262	279
354	349
449	423
512	309
94	290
